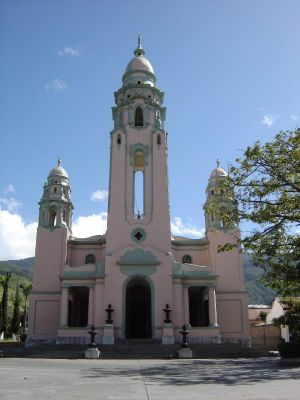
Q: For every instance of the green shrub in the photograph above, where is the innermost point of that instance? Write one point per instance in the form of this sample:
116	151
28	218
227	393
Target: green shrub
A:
289	349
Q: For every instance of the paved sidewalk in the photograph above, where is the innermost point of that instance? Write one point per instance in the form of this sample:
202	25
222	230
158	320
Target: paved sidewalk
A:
247	379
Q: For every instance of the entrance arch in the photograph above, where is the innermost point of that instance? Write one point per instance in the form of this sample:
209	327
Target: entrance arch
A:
138	309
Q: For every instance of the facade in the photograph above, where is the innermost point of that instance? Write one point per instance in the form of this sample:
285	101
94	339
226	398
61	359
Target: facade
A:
278	309
137	268
254	313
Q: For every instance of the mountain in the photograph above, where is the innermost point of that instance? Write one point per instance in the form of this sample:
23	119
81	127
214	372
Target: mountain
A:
258	293
25	263
21	272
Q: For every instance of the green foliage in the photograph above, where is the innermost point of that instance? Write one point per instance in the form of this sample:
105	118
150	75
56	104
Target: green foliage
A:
266	184
4	302
263	316
257	292
19	273
15	323
289	349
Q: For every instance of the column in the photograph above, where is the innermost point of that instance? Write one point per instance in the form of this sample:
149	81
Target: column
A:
212	307
99	306
64	307
58	214
91	306
186	305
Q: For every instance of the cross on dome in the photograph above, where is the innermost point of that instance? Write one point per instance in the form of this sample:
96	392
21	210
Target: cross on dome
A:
139	51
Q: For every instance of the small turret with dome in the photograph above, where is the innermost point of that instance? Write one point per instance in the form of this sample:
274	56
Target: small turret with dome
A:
215	196
55	206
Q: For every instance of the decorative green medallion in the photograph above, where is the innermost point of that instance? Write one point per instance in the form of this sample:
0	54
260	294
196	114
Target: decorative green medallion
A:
138	235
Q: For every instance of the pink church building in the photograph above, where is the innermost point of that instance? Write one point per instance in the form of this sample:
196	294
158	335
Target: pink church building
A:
137	268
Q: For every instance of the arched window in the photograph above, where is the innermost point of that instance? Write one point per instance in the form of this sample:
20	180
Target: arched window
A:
52	216
158	139
187	259
139	118
138	184
55	190
90	259
119	139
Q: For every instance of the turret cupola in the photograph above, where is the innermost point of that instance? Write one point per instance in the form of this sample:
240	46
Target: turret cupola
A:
138	101
217	201
139	70
55	206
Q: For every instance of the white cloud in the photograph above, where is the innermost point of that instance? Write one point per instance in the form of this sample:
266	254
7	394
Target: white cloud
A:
9	189
268	120
57	85
178	228
68	51
11	204
99	195
294	118
16	237
91	225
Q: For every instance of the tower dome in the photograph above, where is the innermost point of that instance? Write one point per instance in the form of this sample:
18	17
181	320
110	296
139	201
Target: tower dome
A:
139	70
219	203
56	207
58	170
218	172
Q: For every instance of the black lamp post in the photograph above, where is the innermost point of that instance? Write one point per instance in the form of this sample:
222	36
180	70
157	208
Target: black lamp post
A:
184	332
92	334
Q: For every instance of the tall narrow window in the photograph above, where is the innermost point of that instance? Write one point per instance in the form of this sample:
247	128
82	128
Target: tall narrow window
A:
158	140
139	118
138	194
119	139
138	188
52	217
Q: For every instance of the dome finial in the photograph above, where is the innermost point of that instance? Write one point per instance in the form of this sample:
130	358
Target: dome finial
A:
139	51
58	161
218	163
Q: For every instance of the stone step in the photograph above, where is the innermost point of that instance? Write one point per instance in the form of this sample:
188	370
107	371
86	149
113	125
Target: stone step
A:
131	349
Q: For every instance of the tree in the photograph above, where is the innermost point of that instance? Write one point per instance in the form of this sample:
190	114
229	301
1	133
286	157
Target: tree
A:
291	317
4	282
263	316
265	182
26	291
15	322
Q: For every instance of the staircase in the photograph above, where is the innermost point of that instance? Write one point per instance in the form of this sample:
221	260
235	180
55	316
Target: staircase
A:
132	349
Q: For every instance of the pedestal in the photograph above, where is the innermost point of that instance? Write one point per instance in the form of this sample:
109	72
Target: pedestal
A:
185	353
92	352
108	334
168	334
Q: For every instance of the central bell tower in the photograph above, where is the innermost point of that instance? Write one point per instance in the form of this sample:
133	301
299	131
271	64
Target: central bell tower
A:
138	210
138	268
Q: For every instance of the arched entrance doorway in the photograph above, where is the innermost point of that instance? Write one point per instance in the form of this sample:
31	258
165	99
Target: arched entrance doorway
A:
138	309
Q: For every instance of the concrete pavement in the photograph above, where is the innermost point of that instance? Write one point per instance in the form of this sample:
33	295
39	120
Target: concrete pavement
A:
247	379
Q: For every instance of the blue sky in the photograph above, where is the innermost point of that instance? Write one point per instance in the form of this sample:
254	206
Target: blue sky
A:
229	70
